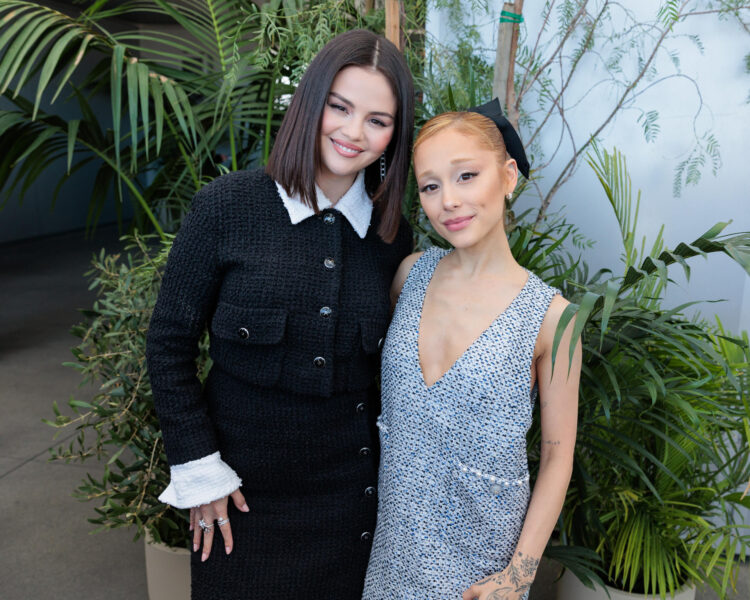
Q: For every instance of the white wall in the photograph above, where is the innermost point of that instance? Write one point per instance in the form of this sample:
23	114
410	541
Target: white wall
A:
724	86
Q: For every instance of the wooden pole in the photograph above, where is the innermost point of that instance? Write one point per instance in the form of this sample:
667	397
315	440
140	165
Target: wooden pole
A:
510	96
507	44
393	22
504	38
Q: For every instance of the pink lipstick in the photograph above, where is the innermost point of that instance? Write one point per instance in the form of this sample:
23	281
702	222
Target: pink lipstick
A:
458	223
344	149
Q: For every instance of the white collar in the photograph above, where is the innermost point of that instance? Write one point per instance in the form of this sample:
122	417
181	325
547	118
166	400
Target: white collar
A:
355	205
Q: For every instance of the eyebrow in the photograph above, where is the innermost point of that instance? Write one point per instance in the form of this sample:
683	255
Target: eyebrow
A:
349	102
455	161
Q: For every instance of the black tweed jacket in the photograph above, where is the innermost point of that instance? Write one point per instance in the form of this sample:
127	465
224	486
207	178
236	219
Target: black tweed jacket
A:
301	308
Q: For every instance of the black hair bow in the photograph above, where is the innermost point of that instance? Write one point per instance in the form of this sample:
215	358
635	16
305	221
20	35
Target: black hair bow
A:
513	143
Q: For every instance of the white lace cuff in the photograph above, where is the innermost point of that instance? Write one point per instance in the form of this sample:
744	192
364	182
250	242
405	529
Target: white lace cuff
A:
200	482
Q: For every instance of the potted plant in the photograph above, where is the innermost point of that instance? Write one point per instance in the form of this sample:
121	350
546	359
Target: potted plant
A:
662	452
118	426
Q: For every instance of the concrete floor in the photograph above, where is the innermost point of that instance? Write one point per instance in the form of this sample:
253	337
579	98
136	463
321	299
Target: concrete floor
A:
46	550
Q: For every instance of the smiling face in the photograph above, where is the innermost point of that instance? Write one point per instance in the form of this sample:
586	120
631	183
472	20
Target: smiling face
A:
357	125
462	185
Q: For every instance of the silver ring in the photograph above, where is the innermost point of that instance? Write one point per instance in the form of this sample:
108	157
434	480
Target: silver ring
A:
222	522
204	526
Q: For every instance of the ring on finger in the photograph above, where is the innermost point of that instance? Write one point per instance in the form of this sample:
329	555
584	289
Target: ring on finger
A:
205	526
221	521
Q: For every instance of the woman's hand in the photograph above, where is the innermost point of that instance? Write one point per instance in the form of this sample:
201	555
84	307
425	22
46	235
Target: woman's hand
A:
510	584
214	514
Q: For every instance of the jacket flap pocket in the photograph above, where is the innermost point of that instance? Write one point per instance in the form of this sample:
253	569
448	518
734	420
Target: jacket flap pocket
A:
373	335
249	325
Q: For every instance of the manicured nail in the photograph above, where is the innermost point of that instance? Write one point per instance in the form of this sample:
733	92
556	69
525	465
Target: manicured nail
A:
195	547
244	508
204	557
228	549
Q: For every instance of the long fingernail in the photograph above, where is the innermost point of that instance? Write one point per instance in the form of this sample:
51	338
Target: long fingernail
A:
244	508
228	549
195	547
204	557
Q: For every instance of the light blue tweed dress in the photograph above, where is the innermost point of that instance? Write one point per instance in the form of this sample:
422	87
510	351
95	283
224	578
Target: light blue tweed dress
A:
454	479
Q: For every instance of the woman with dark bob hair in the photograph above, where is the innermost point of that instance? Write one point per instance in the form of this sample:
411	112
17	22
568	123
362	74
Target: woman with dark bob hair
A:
290	269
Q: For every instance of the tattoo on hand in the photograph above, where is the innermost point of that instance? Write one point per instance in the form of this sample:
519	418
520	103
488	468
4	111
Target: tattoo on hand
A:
500	593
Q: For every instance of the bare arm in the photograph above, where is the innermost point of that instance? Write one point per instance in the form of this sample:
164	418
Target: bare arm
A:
558	394
400	277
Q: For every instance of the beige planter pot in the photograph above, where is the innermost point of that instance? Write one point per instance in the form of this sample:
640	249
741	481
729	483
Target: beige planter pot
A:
570	588
167	571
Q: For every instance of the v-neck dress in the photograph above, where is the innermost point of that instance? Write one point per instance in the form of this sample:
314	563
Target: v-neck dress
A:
453	479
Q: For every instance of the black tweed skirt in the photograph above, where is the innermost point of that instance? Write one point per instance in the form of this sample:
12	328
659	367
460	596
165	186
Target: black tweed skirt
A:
309	471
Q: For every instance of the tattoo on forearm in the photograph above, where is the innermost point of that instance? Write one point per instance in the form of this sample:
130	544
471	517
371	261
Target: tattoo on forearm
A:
517	577
514	574
551	442
529	565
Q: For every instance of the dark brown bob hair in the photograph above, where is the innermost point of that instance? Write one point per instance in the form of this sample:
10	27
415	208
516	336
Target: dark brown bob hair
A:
295	158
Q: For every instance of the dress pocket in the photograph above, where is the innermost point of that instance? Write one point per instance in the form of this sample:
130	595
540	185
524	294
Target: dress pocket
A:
485	512
248	342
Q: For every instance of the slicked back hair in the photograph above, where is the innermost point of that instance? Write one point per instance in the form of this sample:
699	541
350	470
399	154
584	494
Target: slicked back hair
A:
469	123
295	159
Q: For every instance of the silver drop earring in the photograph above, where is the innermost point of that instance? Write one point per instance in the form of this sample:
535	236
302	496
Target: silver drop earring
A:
382	167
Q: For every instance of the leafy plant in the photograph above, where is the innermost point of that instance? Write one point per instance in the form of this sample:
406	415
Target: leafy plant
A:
663	436
118	426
